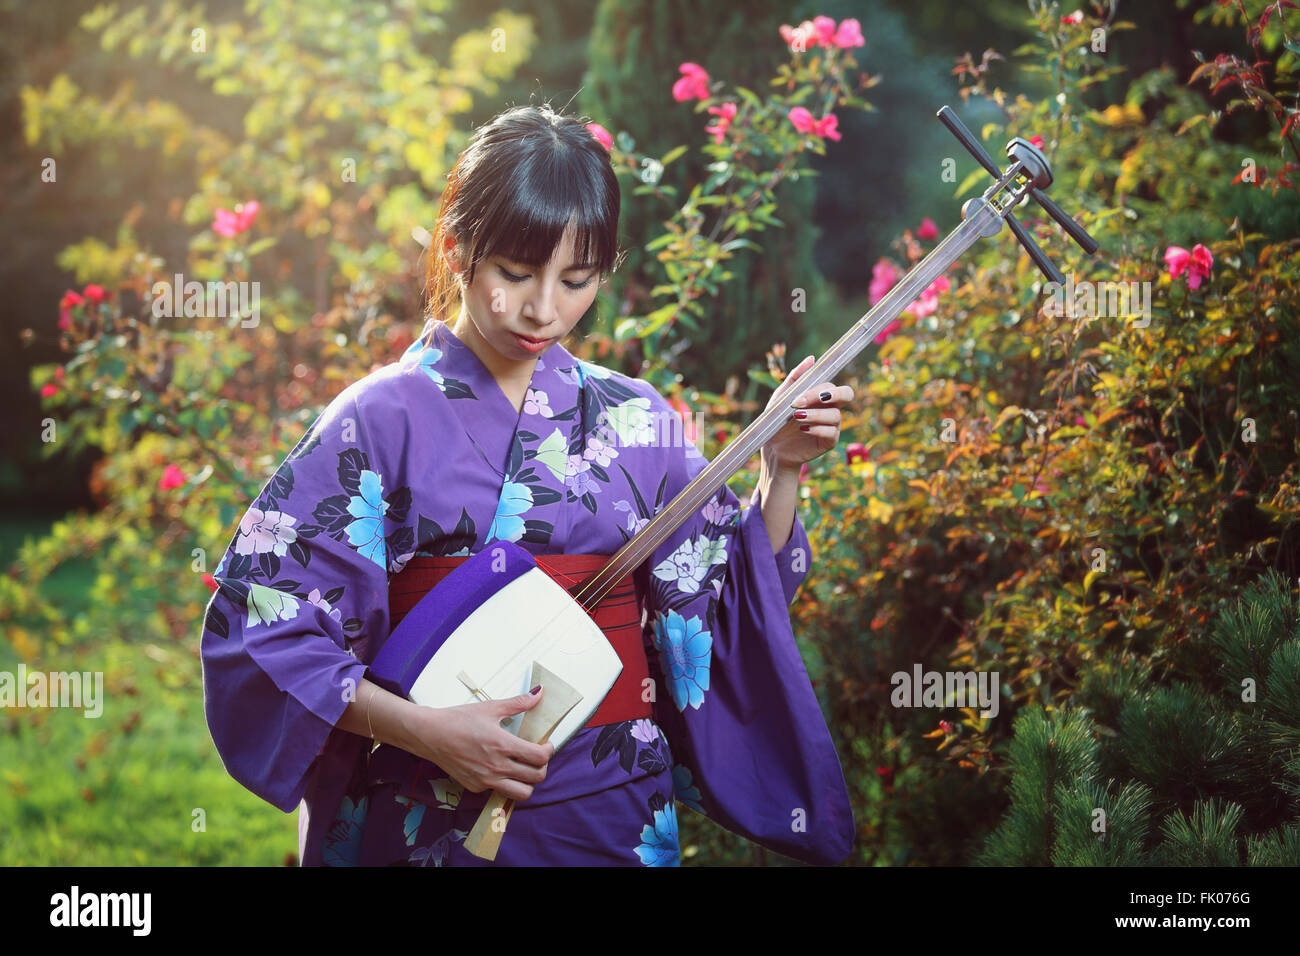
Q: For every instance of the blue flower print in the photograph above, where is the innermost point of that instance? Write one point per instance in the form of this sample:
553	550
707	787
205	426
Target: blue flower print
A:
684	788
686	650
659	842
427	360
516	498
342	845
366	533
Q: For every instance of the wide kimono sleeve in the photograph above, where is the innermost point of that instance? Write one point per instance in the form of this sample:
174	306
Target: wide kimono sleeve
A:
750	745
303	583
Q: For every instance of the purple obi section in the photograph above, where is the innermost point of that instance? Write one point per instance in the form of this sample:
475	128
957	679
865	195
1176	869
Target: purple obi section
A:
442	610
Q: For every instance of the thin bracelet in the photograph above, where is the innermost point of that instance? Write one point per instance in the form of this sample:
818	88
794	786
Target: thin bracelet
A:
369	727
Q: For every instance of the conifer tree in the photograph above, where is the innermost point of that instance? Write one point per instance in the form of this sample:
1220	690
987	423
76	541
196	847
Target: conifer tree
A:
1201	770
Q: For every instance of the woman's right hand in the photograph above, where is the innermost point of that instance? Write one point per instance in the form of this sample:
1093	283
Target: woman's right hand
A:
469	743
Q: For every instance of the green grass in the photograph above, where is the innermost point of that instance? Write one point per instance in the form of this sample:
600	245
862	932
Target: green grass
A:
146	764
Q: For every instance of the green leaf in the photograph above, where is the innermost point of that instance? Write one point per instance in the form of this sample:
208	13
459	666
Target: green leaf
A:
970	181
672	154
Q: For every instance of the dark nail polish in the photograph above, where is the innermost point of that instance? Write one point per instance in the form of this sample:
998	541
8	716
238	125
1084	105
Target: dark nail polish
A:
825	396
800	414
535	690
804	428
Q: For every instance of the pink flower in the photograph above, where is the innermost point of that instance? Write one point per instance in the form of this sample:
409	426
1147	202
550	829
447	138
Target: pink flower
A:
689	425
601	134
849	34
94	294
70	299
693	85
1037	142
1075	17
927	229
230	224
49	389
824	127
725	113
887	331
824	27
802	119
1199	261
883	278
856	452
929	300
172	477
797	36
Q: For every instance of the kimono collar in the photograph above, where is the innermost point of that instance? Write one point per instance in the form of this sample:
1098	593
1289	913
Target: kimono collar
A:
488	415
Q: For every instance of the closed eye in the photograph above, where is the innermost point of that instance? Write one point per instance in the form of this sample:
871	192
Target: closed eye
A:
575	286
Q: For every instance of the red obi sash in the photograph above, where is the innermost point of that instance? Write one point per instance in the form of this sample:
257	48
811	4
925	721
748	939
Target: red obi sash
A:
618	616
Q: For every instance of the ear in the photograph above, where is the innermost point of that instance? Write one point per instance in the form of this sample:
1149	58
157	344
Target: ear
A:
452	251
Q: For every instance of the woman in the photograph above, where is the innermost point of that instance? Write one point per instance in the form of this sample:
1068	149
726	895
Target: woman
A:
487	429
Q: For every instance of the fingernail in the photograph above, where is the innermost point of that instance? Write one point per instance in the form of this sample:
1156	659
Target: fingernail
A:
825	396
535	689
804	428
800	414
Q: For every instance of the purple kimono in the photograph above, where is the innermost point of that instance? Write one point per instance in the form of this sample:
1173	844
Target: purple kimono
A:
427	455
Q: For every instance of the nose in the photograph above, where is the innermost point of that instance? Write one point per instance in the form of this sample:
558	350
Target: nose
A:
541	307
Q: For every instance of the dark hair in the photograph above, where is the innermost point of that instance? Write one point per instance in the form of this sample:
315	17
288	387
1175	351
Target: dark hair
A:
525	176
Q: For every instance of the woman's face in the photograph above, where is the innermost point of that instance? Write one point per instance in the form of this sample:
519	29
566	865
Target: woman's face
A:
509	299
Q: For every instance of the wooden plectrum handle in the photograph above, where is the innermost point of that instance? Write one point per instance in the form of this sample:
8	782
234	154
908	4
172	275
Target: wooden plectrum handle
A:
558	698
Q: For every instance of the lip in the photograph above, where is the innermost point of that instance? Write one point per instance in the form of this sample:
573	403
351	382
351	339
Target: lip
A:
532	345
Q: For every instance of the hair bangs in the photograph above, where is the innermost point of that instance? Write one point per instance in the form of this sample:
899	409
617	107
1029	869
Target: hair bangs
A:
547	195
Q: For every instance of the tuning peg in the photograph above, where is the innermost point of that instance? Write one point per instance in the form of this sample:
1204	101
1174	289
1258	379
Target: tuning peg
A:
1040	173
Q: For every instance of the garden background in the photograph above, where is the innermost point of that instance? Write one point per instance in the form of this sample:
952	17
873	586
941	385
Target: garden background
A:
1102	509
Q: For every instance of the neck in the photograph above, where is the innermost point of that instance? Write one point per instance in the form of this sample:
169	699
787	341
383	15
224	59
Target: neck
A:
509	375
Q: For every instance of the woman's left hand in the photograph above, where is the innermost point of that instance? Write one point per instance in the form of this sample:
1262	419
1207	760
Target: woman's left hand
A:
817	432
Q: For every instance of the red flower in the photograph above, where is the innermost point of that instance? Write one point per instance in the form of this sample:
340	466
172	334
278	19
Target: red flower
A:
1072	18
210	581
856	452
693	85
94	294
601	134
49	389
70	299
945	726
231	224
1197	263
172	477
927	229
1037	142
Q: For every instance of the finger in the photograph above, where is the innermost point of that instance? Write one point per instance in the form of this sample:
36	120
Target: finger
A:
509	706
513	789
528	754
817	415
828	393
831	432
526	773
793	374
